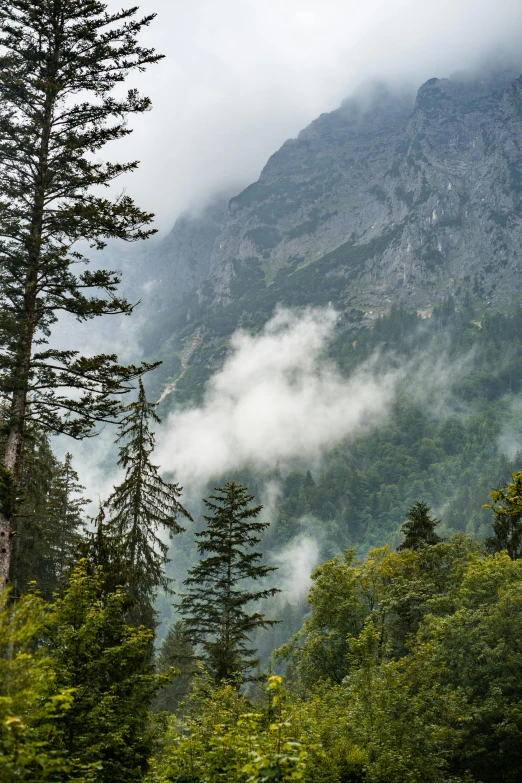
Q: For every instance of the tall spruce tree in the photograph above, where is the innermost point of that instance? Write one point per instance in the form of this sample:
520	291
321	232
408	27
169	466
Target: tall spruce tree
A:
176	652
507	524
60	61
419	528
143	506
67	504
103	555
215	605
106	667
49	521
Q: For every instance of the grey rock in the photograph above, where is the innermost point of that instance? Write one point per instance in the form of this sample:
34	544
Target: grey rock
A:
181	262
391	198
430	186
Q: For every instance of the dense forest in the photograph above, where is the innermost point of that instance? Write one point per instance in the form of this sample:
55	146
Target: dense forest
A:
402	663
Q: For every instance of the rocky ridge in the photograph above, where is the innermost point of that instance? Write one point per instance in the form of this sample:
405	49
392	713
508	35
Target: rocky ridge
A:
390	198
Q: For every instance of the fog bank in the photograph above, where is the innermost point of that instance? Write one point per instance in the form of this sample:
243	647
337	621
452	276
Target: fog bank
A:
276	399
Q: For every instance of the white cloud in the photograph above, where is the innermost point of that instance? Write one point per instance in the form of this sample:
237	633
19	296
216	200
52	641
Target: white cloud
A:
295	564
241	76
276	399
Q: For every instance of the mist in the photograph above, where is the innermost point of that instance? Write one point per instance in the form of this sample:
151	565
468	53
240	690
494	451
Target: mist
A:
276	399
240	77
295	563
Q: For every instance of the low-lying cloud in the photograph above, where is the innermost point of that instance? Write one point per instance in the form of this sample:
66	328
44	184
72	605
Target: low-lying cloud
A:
295	564
276	399
240	77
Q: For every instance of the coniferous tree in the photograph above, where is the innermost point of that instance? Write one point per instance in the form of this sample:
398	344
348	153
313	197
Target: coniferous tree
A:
106	666
215	605
33	525
143	506
176	651
59	64
419	529
507	525
66	506
102	552
49	524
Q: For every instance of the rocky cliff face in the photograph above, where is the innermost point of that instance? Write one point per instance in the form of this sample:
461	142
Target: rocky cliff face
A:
395	200
389	198
180	263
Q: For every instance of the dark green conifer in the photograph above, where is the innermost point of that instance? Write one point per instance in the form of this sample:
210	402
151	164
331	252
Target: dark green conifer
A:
49	524
419	529
219	589
176	652
106	667
507	525
102	552
60	62
66	507
143	506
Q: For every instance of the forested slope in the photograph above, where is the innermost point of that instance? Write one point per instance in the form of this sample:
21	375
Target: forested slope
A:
398	656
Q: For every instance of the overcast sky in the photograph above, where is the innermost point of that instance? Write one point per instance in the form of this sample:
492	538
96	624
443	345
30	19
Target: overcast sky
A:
241	76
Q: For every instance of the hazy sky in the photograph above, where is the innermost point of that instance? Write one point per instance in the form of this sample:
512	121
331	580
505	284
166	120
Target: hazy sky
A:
241	76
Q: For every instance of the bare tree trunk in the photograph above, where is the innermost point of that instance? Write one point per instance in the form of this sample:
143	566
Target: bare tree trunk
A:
5	549
16	424
12	463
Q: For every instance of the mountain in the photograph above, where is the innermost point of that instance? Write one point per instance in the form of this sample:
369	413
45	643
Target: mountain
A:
391	198
389	201
404	213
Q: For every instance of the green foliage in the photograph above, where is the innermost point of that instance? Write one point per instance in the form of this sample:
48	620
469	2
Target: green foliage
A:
223	741
507	525
49	519
419	529
29	714
176	652
209	743
142	506
474	652
102	553
215	604
285	760
432	691
106	665
319	651
394	589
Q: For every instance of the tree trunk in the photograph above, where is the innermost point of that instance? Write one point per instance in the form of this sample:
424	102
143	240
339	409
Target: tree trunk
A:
16	424
5	549
13	449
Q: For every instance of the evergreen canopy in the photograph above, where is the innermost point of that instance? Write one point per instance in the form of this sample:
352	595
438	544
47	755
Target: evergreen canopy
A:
419	529
49	519
60	61
215	605
143	505
507	525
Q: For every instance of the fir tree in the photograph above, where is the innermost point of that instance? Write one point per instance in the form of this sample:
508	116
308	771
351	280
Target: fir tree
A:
419	529
176	652
49	522
66	506
106	667
60	62
507	525
103	555
143	505
215	605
